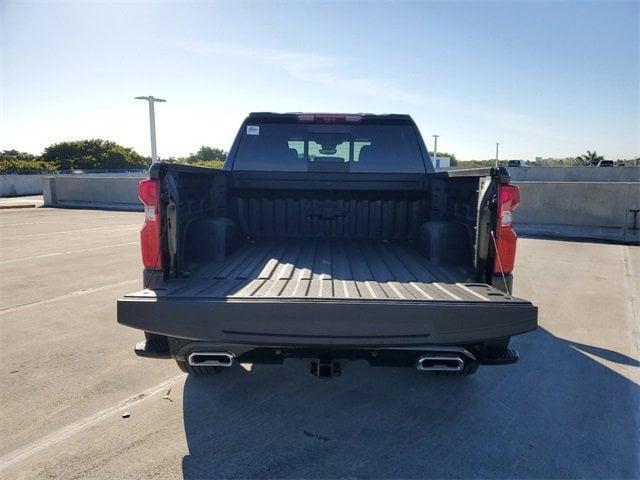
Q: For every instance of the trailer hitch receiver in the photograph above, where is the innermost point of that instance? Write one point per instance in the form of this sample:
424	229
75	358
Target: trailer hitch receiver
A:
325	368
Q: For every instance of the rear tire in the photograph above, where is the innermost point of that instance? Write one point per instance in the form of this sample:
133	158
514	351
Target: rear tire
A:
200	371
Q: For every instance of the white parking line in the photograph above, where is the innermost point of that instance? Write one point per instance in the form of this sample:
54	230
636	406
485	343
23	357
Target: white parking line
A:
112	227
70	252
630	293
47	441
58	220
15	308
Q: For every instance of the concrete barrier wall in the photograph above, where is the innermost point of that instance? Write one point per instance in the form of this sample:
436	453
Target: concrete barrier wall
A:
575	174
599	210
106	190
18	185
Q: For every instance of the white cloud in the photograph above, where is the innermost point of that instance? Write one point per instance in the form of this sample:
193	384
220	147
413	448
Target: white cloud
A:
306	66
327	71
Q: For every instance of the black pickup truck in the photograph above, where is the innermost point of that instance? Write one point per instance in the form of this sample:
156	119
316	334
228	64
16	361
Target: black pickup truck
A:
328	237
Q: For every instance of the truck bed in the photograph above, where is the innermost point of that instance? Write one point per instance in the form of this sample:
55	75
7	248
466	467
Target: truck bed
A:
332	269
328	291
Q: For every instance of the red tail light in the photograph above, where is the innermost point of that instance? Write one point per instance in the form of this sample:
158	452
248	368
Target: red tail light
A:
149	195
508	201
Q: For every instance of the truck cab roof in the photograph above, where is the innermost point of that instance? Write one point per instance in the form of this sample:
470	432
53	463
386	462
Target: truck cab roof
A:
319	117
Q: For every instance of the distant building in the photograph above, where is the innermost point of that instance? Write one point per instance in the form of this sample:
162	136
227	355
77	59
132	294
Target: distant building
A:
440	162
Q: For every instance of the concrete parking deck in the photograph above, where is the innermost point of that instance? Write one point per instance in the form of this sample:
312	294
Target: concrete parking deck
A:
569	408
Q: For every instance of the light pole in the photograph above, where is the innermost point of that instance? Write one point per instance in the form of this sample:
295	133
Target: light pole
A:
497	149
435	146
152	124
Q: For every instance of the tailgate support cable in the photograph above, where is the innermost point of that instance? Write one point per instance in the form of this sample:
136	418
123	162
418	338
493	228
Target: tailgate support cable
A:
495	248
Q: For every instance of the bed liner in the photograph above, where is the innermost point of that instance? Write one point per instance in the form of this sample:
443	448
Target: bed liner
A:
332	269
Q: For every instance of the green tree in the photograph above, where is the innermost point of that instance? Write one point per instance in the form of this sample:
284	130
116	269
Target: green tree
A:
204	157
589	158
93	153
206	154
16	155
13	161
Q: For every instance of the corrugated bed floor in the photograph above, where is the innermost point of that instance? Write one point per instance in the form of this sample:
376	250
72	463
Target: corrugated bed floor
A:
326	269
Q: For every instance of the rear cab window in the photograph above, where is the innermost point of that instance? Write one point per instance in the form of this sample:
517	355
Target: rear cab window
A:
295	146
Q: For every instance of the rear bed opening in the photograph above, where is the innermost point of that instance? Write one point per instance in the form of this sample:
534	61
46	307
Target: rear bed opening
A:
382	229
309	268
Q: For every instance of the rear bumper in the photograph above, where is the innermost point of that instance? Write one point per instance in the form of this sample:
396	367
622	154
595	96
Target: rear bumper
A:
328	323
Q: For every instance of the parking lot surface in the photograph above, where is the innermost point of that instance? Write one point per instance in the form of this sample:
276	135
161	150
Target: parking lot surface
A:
569	408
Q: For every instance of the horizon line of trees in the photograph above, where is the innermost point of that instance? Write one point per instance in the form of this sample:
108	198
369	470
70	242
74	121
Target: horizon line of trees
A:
97	154
105	154
589	159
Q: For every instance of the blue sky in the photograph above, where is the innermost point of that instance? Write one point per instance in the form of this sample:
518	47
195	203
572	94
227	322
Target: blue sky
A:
542	78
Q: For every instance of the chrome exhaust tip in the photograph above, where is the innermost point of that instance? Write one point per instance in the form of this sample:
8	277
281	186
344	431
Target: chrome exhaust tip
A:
210	359
440	363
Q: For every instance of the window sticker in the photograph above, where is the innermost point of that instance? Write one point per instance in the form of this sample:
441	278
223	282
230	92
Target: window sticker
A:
253	130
